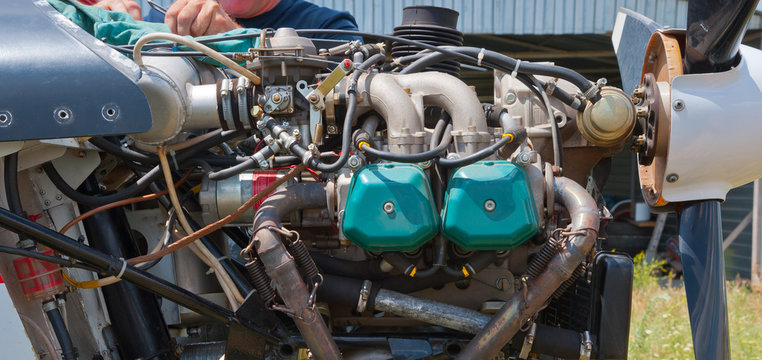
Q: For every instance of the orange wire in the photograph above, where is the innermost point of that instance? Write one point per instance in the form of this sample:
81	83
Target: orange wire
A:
120	203
219	223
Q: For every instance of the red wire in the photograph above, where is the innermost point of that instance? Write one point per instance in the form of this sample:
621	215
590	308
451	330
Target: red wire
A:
259	145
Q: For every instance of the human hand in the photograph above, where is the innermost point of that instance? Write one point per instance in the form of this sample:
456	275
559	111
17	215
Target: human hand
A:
126	6
198	18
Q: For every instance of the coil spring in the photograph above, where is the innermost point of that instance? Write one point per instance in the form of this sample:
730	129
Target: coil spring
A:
542	258
258	276
302	257
579	271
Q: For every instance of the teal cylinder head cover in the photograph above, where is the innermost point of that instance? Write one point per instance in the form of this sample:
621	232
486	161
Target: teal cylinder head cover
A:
489	206
390	208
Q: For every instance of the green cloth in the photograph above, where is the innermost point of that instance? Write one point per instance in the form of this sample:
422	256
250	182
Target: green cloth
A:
119	28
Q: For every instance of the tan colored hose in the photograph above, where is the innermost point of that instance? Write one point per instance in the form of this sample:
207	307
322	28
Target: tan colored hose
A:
138	57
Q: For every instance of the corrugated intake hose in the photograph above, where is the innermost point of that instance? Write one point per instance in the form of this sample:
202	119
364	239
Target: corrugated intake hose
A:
524	304
282	269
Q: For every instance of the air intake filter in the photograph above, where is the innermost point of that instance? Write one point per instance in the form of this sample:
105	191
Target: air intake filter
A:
431	25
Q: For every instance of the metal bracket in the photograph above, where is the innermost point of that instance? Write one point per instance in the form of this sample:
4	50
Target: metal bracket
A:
528	341
316	97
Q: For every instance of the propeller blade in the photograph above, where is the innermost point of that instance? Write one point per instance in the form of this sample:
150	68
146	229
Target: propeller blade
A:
715	30
704	278
632	31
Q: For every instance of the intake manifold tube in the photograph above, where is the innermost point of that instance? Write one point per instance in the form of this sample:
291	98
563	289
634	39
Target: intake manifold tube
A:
400	100
522	306
281	268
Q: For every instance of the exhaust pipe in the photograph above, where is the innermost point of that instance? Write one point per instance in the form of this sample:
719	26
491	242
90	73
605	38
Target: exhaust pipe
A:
523	305
282	269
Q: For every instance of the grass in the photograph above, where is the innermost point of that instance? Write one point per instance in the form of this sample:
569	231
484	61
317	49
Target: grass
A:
660	328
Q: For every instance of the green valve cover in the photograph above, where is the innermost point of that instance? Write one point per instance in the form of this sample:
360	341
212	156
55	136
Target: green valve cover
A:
489	206
390	208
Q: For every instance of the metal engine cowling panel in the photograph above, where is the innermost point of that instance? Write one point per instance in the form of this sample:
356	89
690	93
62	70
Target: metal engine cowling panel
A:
489	206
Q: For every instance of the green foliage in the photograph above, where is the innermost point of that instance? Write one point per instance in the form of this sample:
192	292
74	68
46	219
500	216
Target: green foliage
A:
660	329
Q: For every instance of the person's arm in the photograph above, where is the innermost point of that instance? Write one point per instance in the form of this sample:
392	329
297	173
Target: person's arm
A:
198	18
126	6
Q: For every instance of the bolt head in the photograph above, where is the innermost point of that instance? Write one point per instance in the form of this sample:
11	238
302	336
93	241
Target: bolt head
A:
388	207
264	164
490	205
331	129
313	98
510	98
296	133
354	162
671	178
276	98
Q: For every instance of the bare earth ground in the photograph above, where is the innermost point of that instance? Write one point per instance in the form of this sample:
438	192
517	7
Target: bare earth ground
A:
660	328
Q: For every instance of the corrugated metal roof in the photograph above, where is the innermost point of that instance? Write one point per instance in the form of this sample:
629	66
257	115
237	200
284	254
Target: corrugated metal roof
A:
539	17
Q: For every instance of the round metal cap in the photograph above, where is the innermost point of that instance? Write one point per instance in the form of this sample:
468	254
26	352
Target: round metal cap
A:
610	121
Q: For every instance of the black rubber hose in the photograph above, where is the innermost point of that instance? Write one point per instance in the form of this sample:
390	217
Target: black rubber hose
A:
410	158
346	140
141	184
508	64
11	177
62	334
123	152
369	269
98	200
555	132
519	135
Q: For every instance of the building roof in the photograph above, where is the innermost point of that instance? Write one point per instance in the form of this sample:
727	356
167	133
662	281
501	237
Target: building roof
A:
518	17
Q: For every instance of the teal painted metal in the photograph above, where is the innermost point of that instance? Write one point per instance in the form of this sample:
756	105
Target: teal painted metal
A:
489	206
390	208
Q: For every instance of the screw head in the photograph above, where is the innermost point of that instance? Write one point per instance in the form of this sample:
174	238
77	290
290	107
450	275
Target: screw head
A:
313	98
331	129
490	205
264	164
276	98
510	98
678	105
388	207
671	178
346	63
296	133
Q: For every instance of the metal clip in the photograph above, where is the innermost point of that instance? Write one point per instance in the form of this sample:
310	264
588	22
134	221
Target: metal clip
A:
586	347
528	341
362	302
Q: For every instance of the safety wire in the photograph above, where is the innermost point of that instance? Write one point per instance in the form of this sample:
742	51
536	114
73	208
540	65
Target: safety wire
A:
231	291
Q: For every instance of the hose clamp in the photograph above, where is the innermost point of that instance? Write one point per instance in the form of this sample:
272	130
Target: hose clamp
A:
586	347
480	57
528	341
362	302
